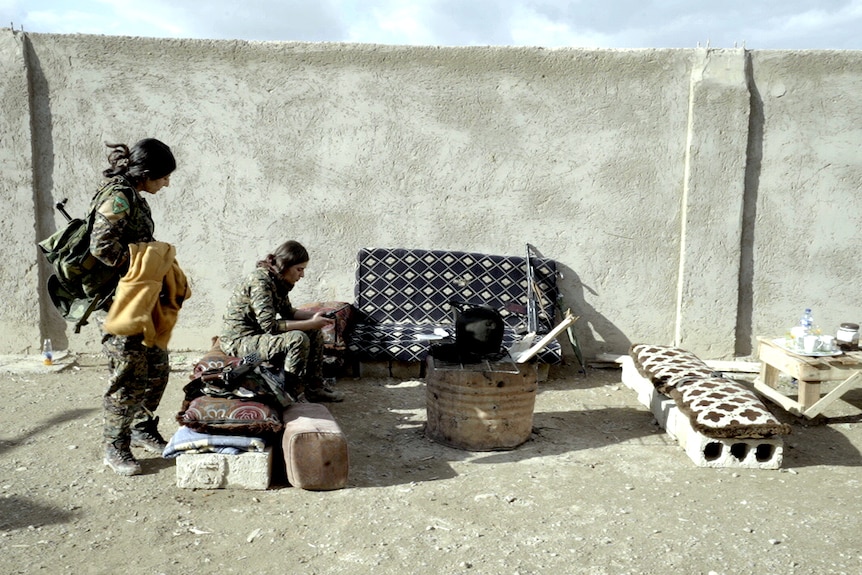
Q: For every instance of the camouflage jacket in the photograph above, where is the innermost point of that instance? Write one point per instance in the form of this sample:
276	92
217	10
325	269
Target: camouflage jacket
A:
122	217
255	307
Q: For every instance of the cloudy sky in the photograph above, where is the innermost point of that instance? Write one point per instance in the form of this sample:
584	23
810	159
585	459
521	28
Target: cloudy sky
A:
755	24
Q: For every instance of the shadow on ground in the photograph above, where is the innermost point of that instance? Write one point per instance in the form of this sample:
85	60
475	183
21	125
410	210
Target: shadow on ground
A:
48	424
17	512
384	421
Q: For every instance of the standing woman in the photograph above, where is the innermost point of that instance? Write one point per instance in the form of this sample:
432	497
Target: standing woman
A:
138	374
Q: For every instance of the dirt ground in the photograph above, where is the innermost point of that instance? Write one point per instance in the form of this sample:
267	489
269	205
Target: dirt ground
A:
598	489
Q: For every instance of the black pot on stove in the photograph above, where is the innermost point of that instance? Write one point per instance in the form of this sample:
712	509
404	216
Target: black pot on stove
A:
478	331
478	335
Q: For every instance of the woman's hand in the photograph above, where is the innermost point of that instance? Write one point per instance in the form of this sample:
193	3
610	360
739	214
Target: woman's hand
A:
320	320
304	320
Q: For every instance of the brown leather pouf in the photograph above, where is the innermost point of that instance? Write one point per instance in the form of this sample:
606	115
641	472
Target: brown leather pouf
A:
315	449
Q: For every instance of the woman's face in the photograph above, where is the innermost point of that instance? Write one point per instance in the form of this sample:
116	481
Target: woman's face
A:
294	273
153	186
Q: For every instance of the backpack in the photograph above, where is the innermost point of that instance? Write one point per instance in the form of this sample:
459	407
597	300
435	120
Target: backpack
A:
80	283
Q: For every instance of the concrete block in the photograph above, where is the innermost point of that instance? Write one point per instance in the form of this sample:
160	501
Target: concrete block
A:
765	453
543	371
743	453
220	471
395	369
413	370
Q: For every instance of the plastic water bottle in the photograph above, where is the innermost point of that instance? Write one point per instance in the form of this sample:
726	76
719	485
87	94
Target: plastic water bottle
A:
806	322
47	353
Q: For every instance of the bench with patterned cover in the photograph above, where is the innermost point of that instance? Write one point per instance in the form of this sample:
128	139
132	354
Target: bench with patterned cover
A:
716	406
400	294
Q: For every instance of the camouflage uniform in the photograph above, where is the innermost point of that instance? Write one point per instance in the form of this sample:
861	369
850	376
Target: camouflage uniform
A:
138	374
251	326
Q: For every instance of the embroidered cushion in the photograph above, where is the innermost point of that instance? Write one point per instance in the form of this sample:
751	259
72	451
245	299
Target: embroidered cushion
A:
336	335
230	416
663	365
720	407
215	358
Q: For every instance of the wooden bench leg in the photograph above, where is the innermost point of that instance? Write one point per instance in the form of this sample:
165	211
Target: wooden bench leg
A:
769	375
851	382
809	393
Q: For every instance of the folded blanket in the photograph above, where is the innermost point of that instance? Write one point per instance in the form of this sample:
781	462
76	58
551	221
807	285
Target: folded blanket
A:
175	290
186	441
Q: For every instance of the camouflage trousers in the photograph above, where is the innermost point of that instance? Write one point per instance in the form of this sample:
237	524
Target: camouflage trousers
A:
300	352
137	381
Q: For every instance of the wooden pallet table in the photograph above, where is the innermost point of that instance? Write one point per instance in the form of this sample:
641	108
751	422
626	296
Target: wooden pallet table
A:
809	373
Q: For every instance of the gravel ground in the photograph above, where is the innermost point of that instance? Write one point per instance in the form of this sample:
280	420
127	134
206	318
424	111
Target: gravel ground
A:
598	489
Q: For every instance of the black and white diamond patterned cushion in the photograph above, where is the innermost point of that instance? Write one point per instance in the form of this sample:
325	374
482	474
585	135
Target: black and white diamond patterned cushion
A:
384	342
416	286
400	293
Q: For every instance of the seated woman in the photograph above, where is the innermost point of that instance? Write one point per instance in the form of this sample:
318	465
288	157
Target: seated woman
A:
260	319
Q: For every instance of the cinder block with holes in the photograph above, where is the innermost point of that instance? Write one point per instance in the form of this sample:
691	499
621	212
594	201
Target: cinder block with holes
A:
744	453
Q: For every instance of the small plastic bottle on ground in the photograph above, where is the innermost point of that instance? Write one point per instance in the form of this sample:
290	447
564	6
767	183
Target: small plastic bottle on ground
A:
47	353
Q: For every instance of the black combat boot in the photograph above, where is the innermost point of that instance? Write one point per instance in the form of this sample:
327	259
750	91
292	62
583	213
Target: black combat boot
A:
119	457
321	391
145	434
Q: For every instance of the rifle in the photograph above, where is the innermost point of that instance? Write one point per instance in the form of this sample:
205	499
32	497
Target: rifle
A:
532	312
573	340
61	207
532	317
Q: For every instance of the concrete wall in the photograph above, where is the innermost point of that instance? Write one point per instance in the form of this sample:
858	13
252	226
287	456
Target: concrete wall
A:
698	197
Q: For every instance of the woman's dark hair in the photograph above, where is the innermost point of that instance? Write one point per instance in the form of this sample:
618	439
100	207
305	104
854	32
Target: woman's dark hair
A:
148	159
285	256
